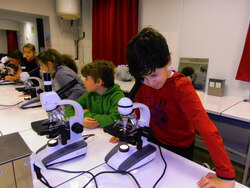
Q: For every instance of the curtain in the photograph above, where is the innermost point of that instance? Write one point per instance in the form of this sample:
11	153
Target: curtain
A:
244	66
115	22
11	40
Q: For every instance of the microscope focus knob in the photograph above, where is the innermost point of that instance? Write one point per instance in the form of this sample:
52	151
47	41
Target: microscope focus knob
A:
77	128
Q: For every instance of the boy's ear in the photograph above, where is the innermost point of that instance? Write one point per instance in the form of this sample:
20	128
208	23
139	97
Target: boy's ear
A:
99	81
50	63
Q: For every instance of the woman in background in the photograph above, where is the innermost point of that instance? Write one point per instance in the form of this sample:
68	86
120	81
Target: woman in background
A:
50	61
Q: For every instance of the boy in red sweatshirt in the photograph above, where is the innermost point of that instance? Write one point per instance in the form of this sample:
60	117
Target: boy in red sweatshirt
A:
176	110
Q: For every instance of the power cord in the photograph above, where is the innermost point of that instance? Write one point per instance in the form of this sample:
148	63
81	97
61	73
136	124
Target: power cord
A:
86	136
10	105
164	170
45	182
41	177
112	172
80	173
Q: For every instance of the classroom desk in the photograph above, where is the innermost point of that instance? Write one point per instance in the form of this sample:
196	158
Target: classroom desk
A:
216	105
13	118
239	117
180	171
241	112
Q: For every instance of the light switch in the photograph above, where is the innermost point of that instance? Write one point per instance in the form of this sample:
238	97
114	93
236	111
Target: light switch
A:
218	85
211	84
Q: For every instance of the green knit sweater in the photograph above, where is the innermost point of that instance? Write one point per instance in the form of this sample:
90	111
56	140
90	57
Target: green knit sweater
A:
103	108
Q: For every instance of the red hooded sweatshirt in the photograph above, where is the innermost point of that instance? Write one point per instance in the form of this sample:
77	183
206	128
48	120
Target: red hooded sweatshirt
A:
176	112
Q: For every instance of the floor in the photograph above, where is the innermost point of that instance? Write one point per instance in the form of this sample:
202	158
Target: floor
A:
202	156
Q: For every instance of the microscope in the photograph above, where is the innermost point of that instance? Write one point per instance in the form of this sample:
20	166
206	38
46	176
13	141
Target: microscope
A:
134	150
65	138
6	70
29	88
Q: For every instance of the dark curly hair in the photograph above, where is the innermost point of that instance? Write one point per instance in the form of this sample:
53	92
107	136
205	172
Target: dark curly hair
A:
15	54
147	51
100	69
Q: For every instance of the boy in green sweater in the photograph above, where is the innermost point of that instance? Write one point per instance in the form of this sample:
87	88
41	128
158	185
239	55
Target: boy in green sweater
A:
102	96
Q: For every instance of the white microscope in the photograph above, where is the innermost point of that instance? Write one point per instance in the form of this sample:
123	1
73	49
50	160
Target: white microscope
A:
5	70
135	151
29	88
65	138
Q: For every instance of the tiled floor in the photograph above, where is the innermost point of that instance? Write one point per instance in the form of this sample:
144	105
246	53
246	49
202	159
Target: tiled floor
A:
202	156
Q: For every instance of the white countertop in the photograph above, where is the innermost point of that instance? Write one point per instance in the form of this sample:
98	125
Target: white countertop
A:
241	111
15	119
212	104
180	171
216	105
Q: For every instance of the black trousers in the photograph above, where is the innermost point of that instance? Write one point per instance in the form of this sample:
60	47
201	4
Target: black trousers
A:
187	152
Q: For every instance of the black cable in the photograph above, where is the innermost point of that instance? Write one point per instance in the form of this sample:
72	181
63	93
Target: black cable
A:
68	171
10	105
40	176
165	167
112	172
45	182
86	136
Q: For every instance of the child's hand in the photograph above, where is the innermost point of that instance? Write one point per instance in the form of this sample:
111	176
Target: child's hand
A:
212	181
90	123
114	139
9	78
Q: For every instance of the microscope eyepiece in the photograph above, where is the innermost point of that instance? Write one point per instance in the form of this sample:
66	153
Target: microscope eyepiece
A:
47	82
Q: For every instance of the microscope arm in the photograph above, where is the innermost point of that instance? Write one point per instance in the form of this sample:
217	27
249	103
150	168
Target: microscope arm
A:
38	80
144	114
78	117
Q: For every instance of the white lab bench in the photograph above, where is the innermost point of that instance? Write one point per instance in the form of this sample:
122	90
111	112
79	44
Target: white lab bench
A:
13	118
180	171
238	116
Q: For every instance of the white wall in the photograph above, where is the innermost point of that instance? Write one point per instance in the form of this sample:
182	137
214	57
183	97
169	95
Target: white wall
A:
23	23
8	25
27	34
85	45
62	35
214	29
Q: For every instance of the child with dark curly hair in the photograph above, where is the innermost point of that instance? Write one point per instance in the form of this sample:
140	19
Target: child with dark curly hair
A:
176	109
